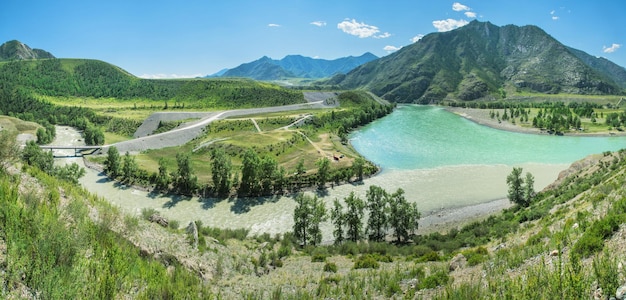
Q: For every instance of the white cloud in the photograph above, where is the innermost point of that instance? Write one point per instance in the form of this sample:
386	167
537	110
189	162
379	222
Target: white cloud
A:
166	76
470	14
456	6
390	48
383	36
555	18
273	25
318	23
552	12
417	38
449	24
361	30
611	49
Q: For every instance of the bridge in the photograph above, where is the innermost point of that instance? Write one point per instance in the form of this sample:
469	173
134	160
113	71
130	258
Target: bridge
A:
78	150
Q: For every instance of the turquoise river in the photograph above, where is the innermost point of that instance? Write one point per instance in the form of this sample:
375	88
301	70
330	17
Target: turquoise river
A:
454	170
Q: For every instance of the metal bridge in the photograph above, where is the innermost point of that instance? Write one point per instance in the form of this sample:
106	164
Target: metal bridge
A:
78	150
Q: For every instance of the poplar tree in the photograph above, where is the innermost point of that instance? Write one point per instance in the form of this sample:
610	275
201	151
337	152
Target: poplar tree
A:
307	216
323	171
112	163
403	216
377	207
354	217
221	171
338	219
516	189
163	178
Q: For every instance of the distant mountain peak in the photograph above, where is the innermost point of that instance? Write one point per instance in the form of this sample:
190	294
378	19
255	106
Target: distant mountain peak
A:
296	65
16	50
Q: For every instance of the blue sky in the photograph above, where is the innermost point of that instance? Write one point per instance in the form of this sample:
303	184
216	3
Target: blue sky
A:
190	38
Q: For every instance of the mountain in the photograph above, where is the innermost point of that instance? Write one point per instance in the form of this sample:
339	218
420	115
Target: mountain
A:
16	50
484	61
298	66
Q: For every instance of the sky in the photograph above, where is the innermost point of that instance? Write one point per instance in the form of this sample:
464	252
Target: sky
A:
174	39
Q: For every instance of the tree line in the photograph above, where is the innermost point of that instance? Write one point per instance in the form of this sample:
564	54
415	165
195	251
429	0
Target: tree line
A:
385	212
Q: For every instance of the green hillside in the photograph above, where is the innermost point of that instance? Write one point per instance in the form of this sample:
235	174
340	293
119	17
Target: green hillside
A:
484	61
97	79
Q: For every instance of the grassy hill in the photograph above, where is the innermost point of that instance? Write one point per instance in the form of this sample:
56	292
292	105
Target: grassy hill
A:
57	241
78	78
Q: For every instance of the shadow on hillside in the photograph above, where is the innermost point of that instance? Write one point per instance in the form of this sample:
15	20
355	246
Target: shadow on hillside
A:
174	199
244	204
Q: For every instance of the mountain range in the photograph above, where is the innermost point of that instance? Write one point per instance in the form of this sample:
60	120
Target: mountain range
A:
484	61
295	66
16	50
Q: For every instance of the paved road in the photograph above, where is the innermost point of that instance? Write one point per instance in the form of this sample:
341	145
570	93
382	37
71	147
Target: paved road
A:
188	132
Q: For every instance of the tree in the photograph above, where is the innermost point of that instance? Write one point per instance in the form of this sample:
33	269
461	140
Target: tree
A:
323	171
9	149
359	166
184	180
221	168
515	182
529	188
129	169
163	178
71	172
300	170
403	216
337	218
377	221
112	162
267	173
34	156
250	173
308	214
353	217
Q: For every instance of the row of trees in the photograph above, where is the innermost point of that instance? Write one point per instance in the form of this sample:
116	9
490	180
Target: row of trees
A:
385	212
257	176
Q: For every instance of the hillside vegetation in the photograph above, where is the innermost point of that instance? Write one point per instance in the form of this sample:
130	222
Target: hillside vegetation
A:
70	78
57	241
484	61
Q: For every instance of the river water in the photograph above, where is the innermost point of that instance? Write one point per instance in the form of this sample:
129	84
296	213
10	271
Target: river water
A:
441	160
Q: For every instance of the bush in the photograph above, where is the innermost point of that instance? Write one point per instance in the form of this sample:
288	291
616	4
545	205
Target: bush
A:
366	261
330	267
147	212
438	278
429	256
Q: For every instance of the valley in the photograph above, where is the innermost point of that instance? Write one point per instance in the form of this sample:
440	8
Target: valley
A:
508	183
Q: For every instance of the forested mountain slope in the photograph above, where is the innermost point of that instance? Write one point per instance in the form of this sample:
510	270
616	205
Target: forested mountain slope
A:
484	61
97	79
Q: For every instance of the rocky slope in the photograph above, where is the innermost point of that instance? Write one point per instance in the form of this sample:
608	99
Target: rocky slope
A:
16	50
482	60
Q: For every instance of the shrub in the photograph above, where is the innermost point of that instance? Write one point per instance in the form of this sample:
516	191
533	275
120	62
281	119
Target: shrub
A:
366	261
429	256
330	267
173	224
147	212
438	278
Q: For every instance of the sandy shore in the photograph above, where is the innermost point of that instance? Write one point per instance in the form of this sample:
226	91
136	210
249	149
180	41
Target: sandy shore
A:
481	116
